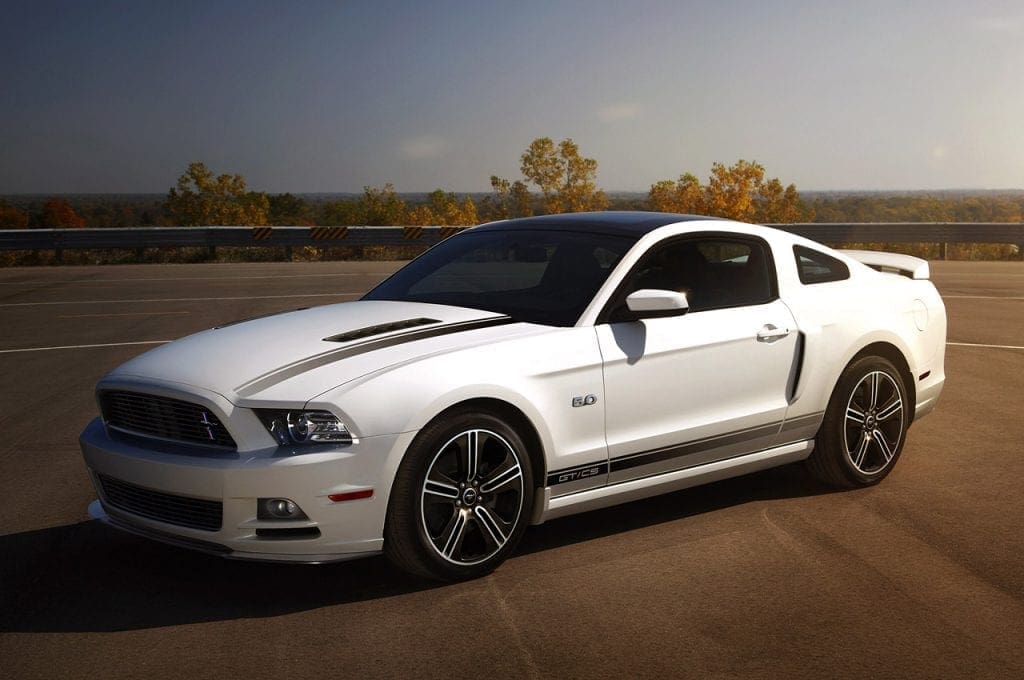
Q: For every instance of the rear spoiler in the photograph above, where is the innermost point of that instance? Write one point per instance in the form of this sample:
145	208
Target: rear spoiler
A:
893	263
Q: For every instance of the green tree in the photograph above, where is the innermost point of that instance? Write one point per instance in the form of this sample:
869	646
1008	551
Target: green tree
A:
342	213
289	210
58	213
200	199
566	180
11	217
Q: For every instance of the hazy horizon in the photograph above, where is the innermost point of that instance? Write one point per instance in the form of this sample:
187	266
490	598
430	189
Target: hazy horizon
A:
118	97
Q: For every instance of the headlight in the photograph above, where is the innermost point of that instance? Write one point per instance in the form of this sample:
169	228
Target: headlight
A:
304	427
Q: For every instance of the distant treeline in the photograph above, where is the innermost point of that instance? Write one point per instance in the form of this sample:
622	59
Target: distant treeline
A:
556	178
385	207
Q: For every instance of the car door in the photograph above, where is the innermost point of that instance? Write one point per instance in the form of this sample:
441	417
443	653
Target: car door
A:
710	384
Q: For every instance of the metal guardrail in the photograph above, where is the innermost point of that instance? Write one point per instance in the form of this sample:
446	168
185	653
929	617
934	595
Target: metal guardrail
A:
261	237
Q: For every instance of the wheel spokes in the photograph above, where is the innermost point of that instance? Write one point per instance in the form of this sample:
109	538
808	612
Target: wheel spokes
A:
874	422
451	538
873	387
472	454
442	489
502	478
494	528
892	409
862	450
854	416
472	496
883	444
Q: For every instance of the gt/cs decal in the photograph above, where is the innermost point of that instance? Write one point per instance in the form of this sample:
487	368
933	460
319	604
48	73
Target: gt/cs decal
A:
577	474
588	400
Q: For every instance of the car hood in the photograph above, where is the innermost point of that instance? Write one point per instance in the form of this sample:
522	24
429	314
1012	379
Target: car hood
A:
295	356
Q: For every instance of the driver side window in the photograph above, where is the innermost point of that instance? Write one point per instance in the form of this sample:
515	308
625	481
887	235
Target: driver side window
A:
715	272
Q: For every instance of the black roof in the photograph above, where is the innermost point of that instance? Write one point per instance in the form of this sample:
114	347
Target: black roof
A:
627	223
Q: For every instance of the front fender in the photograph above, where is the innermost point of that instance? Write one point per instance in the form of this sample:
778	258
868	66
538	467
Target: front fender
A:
539	375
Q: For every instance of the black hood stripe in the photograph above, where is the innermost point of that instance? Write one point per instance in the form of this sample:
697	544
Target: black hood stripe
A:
281	374
381	329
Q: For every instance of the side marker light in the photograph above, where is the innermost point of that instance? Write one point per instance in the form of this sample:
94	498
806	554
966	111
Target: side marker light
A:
351	495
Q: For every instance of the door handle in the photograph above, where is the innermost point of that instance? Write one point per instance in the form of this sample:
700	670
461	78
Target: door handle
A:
771	333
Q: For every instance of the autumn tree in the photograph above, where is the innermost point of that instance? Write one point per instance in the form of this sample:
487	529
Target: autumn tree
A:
567	180
201	199
443	209
58	213
376	207
738	192
11	217
685	195
383	207
509	200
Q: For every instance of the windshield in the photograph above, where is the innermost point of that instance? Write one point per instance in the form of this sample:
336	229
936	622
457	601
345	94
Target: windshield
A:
542	276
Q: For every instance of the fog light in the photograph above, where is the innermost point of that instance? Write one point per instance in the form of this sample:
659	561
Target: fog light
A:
278	508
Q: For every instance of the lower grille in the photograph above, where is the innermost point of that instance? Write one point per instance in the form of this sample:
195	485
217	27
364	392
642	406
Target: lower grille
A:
193	513
150	415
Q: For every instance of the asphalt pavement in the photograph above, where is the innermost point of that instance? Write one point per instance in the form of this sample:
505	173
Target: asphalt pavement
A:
769	575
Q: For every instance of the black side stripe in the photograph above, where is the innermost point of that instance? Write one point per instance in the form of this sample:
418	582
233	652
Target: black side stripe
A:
272	378
679	450
803	421
689	449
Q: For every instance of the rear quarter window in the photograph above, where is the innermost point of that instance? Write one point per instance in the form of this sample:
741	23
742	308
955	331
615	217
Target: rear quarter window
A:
814	266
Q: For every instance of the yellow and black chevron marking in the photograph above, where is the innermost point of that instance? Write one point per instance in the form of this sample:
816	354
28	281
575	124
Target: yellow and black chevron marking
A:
261	233
445	232
412	233
328	233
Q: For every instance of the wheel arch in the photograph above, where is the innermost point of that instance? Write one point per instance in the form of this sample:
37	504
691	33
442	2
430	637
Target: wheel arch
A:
892	353
517	420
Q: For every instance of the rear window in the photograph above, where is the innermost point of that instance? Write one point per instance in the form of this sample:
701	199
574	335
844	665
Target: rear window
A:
814	266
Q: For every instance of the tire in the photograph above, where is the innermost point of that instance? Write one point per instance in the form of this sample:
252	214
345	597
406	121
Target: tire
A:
865	425
454	516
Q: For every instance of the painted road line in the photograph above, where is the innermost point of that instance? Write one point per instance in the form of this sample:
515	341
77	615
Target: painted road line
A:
200	299
91	316
983	297
975	344
89	282
105	344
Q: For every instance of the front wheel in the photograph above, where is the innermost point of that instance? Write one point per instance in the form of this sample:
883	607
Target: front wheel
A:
461	498
865	425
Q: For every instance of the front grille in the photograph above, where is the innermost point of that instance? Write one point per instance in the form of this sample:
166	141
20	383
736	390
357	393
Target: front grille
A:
181	511
152	416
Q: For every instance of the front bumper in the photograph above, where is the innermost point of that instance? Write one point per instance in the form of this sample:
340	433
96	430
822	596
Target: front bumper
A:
345	530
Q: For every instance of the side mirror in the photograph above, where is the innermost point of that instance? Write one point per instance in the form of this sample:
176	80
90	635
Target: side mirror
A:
651	303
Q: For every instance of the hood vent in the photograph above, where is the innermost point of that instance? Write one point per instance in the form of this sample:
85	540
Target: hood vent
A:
380	329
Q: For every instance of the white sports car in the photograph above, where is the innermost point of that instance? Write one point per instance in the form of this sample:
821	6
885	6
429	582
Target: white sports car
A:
517	372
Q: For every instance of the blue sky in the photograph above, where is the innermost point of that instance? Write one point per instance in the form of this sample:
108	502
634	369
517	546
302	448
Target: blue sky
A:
322	96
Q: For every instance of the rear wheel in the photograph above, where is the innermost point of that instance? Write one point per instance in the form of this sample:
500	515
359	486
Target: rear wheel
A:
865	425
461	498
